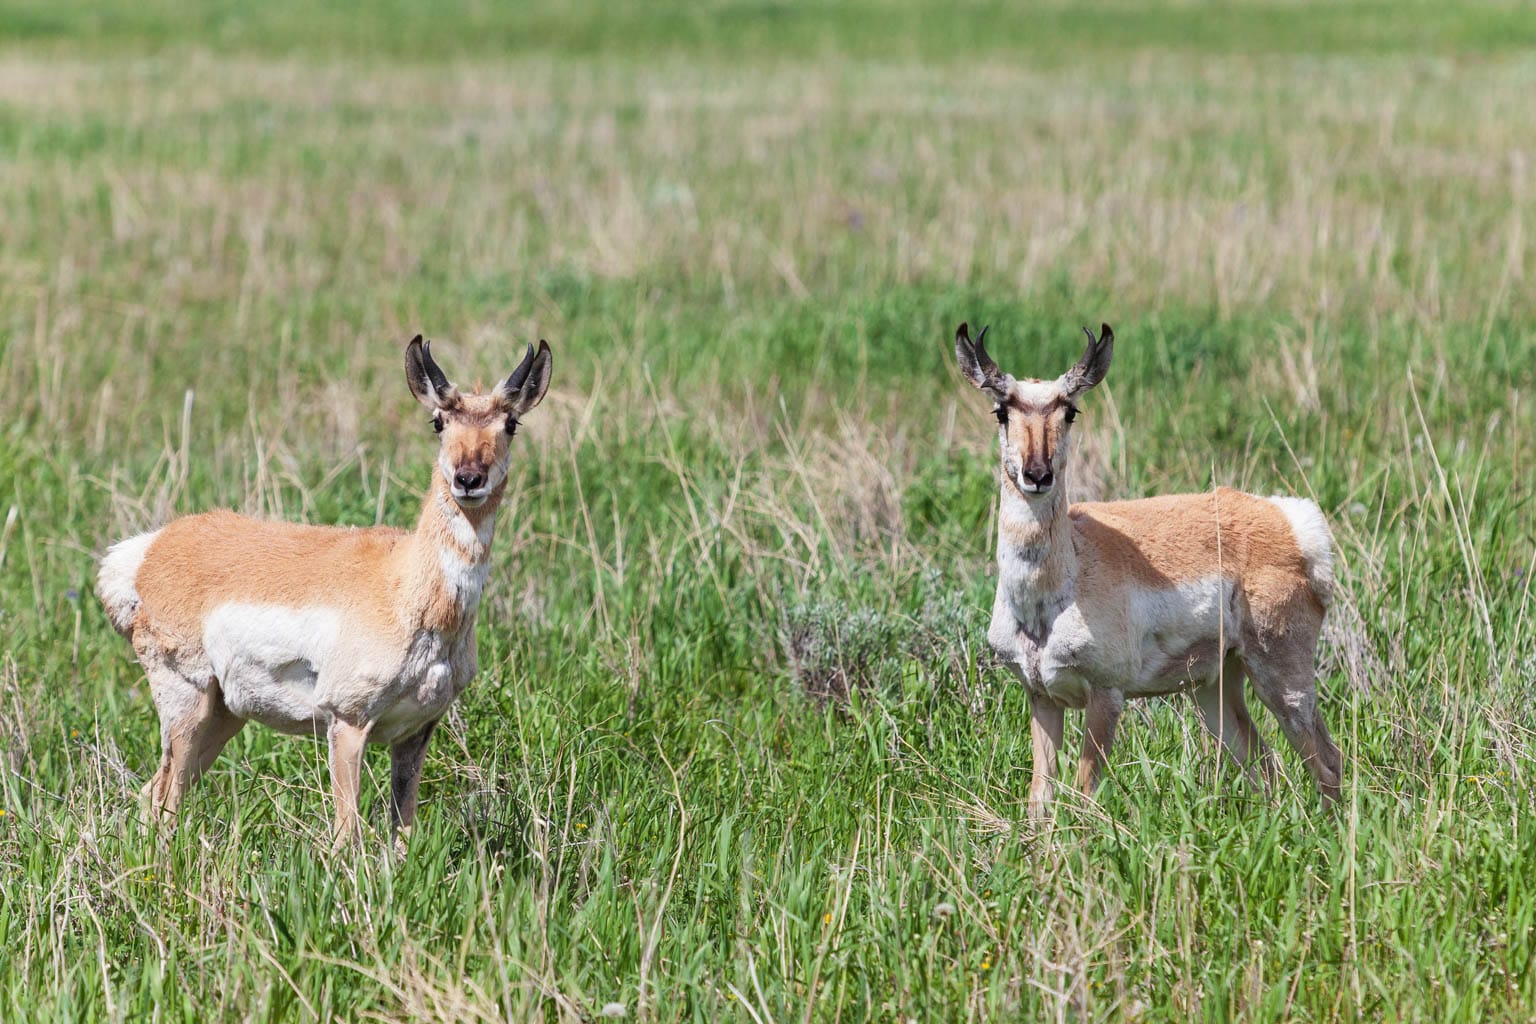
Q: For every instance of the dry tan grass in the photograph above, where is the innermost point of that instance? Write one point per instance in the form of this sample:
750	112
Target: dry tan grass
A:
1344	191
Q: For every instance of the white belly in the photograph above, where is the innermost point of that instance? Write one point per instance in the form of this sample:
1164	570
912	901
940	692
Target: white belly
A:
1157	642
1180	635
291	669
269	660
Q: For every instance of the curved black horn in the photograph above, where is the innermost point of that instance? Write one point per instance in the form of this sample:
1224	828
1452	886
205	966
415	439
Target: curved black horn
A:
977	366
519	376
435	373
525	388
421	369
426	379
1091	368
981	348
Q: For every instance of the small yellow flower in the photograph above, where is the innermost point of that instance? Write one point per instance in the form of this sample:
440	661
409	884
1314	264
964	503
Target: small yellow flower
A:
74	734
2	812
826	918
581	826
986	965
730	995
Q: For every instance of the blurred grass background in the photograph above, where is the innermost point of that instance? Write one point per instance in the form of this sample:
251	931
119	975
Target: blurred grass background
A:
749	230
1054	30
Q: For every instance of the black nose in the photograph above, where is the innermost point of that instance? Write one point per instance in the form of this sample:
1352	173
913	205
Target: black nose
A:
1040	477
468	480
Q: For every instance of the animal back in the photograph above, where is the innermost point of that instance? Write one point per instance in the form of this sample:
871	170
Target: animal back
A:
200	562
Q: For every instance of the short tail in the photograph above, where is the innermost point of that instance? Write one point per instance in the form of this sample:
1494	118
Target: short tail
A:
1315	541
117	580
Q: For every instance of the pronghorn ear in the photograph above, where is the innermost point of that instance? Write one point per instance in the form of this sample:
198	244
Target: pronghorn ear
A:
1095	362
977	366
426	380
525	388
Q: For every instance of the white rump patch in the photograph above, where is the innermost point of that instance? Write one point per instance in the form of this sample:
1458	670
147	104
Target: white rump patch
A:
1314	539
117	580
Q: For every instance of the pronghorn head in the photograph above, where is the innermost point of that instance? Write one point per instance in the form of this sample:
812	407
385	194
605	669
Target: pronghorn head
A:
1034	417
475	430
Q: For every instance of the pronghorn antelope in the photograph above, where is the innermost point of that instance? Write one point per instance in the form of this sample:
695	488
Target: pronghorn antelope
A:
365	635
1101	601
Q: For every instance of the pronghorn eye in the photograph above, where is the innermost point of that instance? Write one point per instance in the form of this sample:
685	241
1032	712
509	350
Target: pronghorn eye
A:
1001	412
1071	414
511	426
437	423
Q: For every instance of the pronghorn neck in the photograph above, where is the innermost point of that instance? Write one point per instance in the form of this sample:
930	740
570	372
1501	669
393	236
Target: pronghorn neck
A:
467	532
1036	562
450	554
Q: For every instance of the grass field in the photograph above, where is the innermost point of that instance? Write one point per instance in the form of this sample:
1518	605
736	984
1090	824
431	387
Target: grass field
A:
749	230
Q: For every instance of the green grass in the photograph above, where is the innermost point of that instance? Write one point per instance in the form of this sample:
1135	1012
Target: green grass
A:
1052	31
749	232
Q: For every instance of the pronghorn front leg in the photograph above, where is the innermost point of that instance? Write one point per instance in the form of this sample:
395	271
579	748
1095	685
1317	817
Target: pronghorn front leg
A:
348	741
1104	707
405	760
1046	720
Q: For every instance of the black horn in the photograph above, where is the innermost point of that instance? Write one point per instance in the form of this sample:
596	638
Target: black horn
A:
519	376
978	367
1091	368
525	387
426	379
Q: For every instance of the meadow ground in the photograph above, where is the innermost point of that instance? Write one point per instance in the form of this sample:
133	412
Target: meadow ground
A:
749	231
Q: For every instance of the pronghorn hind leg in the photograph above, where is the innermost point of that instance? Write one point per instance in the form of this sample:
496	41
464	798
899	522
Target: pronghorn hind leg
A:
1103	717
1283	677
194	727
215	729
152	796
1329	759
1224	713
177	701
196	743
1304	728
1046	723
